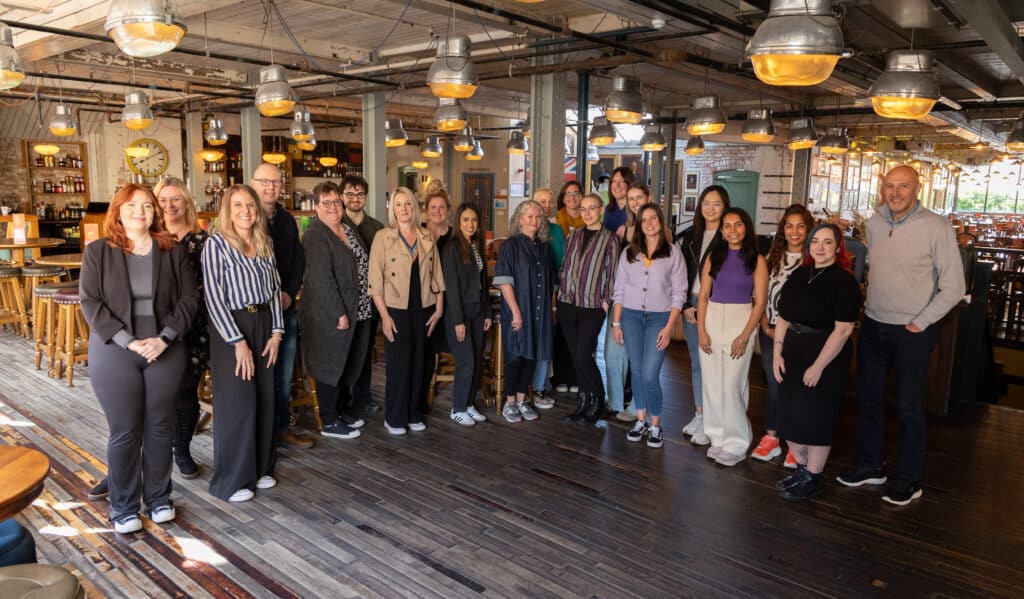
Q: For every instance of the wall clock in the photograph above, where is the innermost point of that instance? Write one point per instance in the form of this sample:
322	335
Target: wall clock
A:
151	166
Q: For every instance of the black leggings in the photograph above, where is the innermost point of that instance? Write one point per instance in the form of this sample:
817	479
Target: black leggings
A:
518	375
581	328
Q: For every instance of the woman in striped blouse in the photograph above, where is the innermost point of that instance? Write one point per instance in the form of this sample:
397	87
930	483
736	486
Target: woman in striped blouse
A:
584	296
243	297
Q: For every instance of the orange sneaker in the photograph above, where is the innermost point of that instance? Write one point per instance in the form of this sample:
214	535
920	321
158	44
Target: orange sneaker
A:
766	449
790	461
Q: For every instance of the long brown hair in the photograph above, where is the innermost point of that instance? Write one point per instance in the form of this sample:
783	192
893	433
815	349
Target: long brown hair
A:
460	240
779	242
260	238
116	236
638	246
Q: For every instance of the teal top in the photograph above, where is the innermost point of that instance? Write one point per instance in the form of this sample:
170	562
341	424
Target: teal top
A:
557	240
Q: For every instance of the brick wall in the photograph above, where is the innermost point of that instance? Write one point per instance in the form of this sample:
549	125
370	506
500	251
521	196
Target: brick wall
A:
14	176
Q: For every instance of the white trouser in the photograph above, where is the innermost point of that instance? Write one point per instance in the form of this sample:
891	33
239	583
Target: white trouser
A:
725	381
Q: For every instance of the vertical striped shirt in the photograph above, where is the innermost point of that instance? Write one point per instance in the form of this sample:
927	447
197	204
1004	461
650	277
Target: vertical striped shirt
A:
233	281
587	277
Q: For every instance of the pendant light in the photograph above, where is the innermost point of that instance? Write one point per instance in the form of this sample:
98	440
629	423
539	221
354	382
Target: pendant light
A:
624	104
694	146
453	74
706	118
653	140
420	164
526	126
908	89
450	115
517	144
602	133
835	141
592	155
1015	140
46	149
329	159
62	123
394	133
477	153
307	145
799	43
759	127
215	135
273	154
274	97
11	73
144	28
302	127
432	148
136	114
464	141
802	135
211	154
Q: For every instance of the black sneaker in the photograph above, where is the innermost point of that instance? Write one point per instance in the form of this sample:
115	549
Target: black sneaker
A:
654	437
100	491
809	486
638	432
863	476
901	492
351	421
793	479
186	465
371	409
339	430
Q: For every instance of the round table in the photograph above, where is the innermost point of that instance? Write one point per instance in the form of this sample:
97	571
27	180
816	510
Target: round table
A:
22	472
18	249
65	260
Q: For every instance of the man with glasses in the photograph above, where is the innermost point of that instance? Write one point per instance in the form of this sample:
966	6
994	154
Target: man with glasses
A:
353	194
291	263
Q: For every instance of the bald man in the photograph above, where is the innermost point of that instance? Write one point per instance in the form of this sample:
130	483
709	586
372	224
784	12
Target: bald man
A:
915	278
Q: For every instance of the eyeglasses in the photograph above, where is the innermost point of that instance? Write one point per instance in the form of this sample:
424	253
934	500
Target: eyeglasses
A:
268	182
351	195
331	203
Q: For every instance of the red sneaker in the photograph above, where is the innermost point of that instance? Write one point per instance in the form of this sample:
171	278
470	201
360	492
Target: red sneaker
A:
790	461
766	449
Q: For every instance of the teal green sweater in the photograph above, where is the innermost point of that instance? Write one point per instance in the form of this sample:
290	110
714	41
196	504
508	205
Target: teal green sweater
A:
557	240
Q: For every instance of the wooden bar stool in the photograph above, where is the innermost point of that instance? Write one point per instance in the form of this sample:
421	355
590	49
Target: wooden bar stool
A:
44	329
37	274
303	396
444	372
12	300
72	334
492	374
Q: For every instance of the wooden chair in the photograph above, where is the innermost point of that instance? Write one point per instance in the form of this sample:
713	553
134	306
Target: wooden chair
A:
72	334
35	275
205	403
303	396
44	326
12	300
492	372
444	372
31	220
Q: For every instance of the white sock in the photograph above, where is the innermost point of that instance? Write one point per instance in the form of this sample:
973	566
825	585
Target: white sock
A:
655	429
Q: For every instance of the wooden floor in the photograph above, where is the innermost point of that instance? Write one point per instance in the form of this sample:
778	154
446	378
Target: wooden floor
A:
538	509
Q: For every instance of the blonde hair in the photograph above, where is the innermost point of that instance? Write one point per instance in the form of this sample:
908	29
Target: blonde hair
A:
416	216
260	238
433	187
191	216
515	227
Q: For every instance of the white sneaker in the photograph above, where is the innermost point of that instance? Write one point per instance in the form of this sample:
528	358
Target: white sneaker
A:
574	389
695	424
395	430
700	438
562	388
526	411
463	418
266	482
474	414
164	513
127	524
417	426
241	495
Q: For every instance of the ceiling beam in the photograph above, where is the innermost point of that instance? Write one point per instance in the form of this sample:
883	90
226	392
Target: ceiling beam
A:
988	18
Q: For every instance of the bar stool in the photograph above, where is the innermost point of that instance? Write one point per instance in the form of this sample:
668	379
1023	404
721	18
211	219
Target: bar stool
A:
444	372
492	372
44	324
72	334
37	274
12	302
303	394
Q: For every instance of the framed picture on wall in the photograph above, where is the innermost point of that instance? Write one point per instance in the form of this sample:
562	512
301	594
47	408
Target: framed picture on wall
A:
691	182
635	163
478	190
689	204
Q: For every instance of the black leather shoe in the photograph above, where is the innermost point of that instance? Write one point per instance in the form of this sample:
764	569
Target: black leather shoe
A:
798	475
581	408
100	491
810	486
595	407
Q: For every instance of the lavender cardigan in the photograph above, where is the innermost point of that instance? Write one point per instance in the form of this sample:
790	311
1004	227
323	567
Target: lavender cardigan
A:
658	289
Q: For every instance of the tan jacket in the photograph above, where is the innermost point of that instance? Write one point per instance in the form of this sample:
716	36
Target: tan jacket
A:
391	264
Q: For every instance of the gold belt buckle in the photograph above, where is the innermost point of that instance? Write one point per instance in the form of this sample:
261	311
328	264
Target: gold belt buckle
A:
251	308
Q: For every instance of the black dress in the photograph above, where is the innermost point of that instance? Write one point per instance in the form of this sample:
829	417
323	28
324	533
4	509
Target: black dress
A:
815	298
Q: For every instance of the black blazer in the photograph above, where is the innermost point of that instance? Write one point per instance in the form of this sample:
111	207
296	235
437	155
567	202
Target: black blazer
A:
106	292
690	244
465	286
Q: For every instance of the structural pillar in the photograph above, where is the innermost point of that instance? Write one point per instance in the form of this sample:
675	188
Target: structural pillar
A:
582	124
252	141
801	177
672	180
375	156
547	122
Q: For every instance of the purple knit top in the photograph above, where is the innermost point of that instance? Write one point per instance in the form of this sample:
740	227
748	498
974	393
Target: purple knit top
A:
732	284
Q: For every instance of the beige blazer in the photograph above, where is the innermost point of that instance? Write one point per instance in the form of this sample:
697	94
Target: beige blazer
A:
391	265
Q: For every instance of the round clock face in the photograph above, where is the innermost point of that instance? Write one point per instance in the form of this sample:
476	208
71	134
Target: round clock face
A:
151	166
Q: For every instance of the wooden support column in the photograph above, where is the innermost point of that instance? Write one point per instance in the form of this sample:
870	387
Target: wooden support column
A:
375	156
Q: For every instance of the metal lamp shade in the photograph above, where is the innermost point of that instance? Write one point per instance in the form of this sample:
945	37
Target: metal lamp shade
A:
477	153
624	104
517	143
453	74
799	43
759	127
602	133
432	148
11	73
908	89
394	133
802	135
694	146
835	141
144	28
450	115
592	155
274	96
216	135
653	140
302	127
464	141
307	145
62	123
706	118
136	114
211	154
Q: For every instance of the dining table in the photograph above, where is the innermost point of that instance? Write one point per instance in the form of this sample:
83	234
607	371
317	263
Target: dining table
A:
18	248
22	472
65	260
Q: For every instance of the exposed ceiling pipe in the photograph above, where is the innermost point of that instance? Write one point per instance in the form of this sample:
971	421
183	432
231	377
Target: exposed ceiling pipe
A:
694	15
165	88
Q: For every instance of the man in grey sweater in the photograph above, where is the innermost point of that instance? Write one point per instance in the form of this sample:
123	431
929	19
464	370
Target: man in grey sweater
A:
915	278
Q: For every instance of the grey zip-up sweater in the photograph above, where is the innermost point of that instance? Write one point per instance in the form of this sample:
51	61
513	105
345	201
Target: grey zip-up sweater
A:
916	272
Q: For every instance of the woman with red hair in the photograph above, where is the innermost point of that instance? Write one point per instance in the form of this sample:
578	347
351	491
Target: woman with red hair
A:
818	307
139	296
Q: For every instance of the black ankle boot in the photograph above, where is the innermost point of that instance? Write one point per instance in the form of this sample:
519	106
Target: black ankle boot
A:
595	407
581	408
185	424
798	475
810	486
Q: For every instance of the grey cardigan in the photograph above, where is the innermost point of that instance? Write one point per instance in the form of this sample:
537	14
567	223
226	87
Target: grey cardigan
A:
330	289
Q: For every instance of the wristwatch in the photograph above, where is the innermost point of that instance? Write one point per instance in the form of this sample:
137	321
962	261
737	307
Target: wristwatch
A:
616	324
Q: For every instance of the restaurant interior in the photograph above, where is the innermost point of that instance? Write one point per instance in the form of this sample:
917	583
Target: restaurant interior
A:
780	102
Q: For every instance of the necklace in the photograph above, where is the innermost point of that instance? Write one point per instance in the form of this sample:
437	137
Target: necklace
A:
813	275
140	250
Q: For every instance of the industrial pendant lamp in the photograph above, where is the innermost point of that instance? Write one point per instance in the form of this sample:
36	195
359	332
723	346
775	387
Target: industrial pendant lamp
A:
799	43
136	151
706	118
329	159
215	135
211	154
835	141
653	140
908	89
307	145
274	97
592	155
694	146
624	104
464	142
517	144
46	149
759	127
1015	140
432	148
802	135
302	127
273	154
453	74
420	164
11	73
394	133
136	114
602	133
477	153
144	28
450	115
62	123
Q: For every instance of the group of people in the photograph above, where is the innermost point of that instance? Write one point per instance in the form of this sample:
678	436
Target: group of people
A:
165	301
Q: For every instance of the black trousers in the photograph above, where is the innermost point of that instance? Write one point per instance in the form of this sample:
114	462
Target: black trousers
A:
406	382
138	400
469	354
518	375
882	347
360	395
562	371
334	397
186	409
243	411
580	327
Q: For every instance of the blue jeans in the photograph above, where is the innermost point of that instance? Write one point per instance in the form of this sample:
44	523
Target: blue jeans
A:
283	371
640	332
616	364
540	376
693	346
